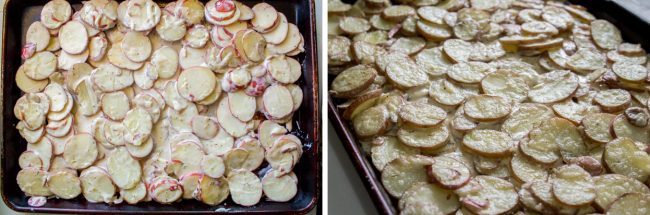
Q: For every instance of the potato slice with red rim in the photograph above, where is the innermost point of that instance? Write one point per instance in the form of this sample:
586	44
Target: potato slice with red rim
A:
487	108
124	170
373	121
136	46
245	188
27	84
597	126
30	160
613	100
423	198
196	83
433	137
274	104
213	191
222	13
290	43
180	120
57	96
246	12
63	113
623	156
80	151
73	37
31	136
269	132
97	185
142	150
165	190
164	61
253	46
116	56
296	95
279	33
489	143
353	81
40	66
228	122
135	194
242	106
283	74
213	165
55	13
488	195
605	34
204	127
59	128
172	98
255	151
33	182
278	187
555	86
197	36
611	187
115	105
388	150
139	15
65	185
422	114
38	36
449	173
401	173
264	17
285	153
220	144
190	182
623	128
573	185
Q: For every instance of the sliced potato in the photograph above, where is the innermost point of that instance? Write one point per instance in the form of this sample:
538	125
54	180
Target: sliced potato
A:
65	185
434	137
406	74
468	72
27	84
30	160
585	60
123	169
426	198
245	188
449	93
389	150
73	37
115	105
632	203
213	166
573	186
196	83
228	122
457	50
165	190
117	57
610	187
97	185
488	195
279	188
136	46
449	172
629	71
109	78
213	191
422	114
135	194
274	104
605	34
622	156
487	108
373	121
623	128
526	170
354	25
352	81
80	151
33	182
285	153
403	172
55	13
555	86
488	143
597	126
290	43
613	100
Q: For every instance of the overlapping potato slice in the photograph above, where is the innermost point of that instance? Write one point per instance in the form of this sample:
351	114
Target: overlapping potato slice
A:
65	185
279	188
448	172
245	188
80	151
555	86
632	203
97	185
33	182
424	198
487	107
597	126
622	127
401	173
73	37
623	156
488	195
55	13
573	186
488	143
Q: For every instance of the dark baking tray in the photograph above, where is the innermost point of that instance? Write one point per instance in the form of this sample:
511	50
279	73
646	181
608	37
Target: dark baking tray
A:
633	28
19	14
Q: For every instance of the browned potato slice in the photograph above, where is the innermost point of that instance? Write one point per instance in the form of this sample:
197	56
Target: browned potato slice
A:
574	111
610	187
489	143
371	122
597	126
450	93
424	198
457	50
558	17
623	156
354	25
613	100
408	45
555	86
525	118
526	170
406	74
587	60
632	203
397	13
543	191
487	108
433	137
539	27
403	172
422	114
605	34
468	72
488	195
352	81
449	172
433	60
432	14
573	185
629	71
388	150
337	6
623	128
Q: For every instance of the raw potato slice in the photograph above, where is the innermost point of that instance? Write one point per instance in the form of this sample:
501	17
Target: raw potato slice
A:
597	126
136	46
242	106
40	66
487	108
613	100
268	132
180	120
406	74
73	37
555	86
353	81
434	137
457	50
79	72
630	71
264	17
115	105
622	156
246	12
135	194
573	185
245	188
632	203
27	84
57	95
55	13
80	151
172	98
30	160
373	121
228	122
116	56
31	136
190	57
214	191
213	166
403	172
142	150
506	83
279	33
290	43
220	144
623	128
145	77
87	98
59	128
171	28
274	101
33	182
114	132
197	36
44	149
389	150
38	36
248	155
278	187
109	78
196	83
611	187
139	15
205	127
190	182
526	170
253	46
422	114
97	185
605	34
488	195
165	190
65	185
488	143
285	153
67	61
63	113
468	72
449	93
449	172
124	170
285	73
296	95
424	198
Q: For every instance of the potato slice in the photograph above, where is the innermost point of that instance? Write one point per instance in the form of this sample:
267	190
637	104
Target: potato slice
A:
468	72
30	160
116	56
613	100
80	151
139	15
73	37
422	114
165	190
38	36
55	13
253	155
487	108
605	34
279	33
57	96
44	149
426	198
623	128
401	173
264	17
204	127
279	188
611	187
40	66
285	153
213	191
115	105
109	78
245	188
180	120
449	172
171	28
457	50
64	185
449	93
290	43
196	83
354	25
632	203
88	101
630	71
622	156
124	170
31	136
433	137
228	122
574	111
373	121
136	46
525	118
269	132
597	126
407	45
150	104
59	115
488	195
33	182
507	83
97	185
389	150
585	60
274	104
242	106
253	46
59	128
213	166
489	143
135	194
526	170
114	133
142	150
555	86
172	98
573	185
352	81
433	60
220	144
406	74
197	36
27	84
